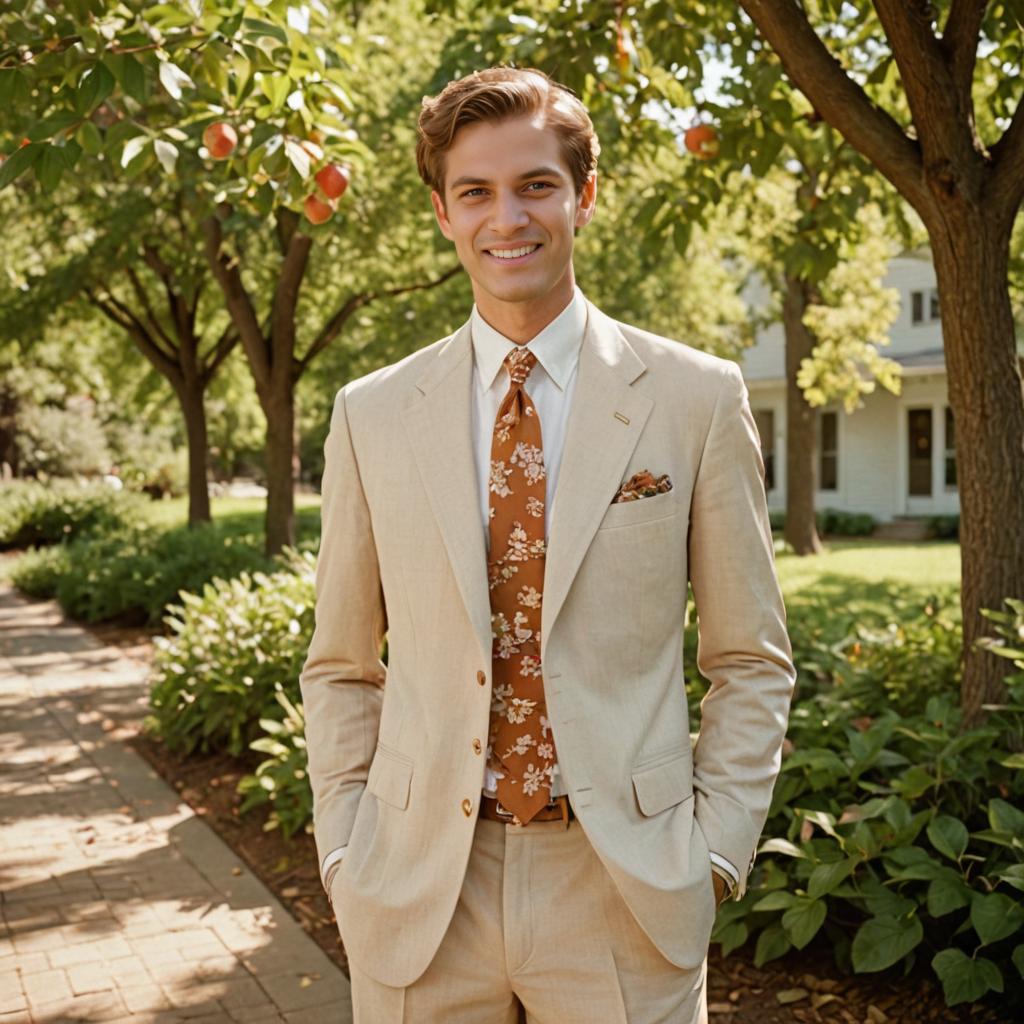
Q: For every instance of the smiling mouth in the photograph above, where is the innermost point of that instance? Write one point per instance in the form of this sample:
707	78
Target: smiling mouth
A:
515	255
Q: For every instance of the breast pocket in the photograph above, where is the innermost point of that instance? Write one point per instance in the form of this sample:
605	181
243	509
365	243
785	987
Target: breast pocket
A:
640	510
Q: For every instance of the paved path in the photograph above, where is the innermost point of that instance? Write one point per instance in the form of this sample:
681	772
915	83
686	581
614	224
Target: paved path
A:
118	903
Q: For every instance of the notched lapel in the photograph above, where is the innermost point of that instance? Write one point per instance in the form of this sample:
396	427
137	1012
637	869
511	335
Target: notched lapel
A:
440	431
598	447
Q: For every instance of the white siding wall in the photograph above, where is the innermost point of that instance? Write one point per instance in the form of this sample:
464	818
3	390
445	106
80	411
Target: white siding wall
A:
873	441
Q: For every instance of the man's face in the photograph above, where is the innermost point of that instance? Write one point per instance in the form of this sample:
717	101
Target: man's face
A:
507	188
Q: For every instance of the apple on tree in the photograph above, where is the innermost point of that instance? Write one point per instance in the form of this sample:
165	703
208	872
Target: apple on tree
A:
220	139
316	210
702	141
333	180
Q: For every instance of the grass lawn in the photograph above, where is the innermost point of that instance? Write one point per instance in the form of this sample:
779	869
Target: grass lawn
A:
927	564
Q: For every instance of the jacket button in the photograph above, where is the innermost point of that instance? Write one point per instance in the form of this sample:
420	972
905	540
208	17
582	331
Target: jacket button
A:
467	807
481	677
477	747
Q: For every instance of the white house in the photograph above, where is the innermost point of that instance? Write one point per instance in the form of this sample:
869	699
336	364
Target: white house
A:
892	457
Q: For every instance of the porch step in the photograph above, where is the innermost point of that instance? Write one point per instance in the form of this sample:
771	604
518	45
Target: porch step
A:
903	528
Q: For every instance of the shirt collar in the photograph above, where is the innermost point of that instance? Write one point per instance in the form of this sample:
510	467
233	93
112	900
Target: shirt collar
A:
557	346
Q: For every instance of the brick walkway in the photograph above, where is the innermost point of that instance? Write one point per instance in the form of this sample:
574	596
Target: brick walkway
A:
118	904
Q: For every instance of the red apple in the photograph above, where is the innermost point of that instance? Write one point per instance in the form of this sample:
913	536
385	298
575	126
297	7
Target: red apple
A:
220	139
317	211
333	180
702	141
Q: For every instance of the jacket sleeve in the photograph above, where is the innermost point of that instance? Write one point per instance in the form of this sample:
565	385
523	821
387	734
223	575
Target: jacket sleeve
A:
343	675
743	648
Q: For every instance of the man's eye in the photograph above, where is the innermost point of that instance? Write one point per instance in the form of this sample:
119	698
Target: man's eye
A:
471	191
543	184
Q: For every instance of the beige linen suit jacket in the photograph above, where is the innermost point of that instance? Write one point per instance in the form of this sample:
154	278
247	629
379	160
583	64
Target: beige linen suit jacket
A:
394	751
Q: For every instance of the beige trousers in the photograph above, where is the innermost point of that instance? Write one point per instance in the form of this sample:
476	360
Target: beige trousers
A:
540	933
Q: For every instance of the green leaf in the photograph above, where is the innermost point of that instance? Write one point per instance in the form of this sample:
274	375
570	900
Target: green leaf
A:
1004	817
995	916
771	943
780	900
948	835
19	161
1013	761
1018	959
965	980
947	893
883	941
89	137
777	845
732	936
825	877
50	168
132	148
132	76
803	921
95	86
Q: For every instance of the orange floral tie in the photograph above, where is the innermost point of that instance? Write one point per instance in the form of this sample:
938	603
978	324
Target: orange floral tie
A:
522	746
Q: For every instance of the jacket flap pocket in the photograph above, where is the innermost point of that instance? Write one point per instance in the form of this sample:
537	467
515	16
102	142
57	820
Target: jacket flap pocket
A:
390	778
663	785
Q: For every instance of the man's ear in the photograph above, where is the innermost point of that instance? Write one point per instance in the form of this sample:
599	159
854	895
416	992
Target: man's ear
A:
587	202
441	214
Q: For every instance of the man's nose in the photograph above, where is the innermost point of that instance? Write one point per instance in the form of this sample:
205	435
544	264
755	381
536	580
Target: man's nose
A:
508	214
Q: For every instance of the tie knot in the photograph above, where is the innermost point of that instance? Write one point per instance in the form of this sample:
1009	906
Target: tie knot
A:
519	362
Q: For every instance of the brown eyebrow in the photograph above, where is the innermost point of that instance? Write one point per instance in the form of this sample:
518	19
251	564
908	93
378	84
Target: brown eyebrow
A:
537	172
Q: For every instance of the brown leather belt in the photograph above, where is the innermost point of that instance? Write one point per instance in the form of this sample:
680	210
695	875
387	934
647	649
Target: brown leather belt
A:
557	809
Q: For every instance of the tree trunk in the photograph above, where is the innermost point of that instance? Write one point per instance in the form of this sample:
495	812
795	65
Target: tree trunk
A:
800	532
971	257
190	395
279	410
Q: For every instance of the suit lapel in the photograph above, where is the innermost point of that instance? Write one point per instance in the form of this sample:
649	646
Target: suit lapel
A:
440	431
598	446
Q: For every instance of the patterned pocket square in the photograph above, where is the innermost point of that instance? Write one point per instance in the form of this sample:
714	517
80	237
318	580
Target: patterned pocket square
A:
642	485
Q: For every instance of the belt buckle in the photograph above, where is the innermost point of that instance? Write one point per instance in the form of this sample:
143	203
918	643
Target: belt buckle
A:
501	811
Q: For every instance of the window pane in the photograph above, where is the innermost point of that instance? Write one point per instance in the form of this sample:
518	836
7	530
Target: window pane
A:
950	450
765	420
916	307
919	423
933	310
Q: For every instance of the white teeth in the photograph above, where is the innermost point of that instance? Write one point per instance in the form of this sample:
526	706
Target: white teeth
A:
510	254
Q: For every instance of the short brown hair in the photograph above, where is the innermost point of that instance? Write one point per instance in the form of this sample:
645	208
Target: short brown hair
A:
494	94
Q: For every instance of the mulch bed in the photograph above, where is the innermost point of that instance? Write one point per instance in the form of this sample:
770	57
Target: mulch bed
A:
803	986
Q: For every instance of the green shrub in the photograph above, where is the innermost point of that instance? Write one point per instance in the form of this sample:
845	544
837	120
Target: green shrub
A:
845	524
281	780
63	510
216	676
944	527
135	575
37	571
832	521
895	832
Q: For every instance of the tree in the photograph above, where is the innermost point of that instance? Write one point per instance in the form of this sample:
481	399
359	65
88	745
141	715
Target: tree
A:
88	86
937	112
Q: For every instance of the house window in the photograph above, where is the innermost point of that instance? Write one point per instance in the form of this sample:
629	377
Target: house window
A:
828	451
919	434
765	419
950	451
924	306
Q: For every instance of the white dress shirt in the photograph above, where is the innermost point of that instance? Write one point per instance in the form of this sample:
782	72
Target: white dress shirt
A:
550	385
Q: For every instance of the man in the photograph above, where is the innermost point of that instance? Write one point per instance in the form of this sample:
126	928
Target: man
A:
509	814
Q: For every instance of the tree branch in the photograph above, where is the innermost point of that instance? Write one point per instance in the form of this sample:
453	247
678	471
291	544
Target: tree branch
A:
960	42
1006	182
212	361
943	116
333	327
240	306
840	100
124	318
140	294
286	294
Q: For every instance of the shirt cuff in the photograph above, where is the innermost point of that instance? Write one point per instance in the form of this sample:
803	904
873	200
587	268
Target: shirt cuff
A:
726	865
332	858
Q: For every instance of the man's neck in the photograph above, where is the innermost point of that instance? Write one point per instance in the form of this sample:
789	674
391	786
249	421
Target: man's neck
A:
522	321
